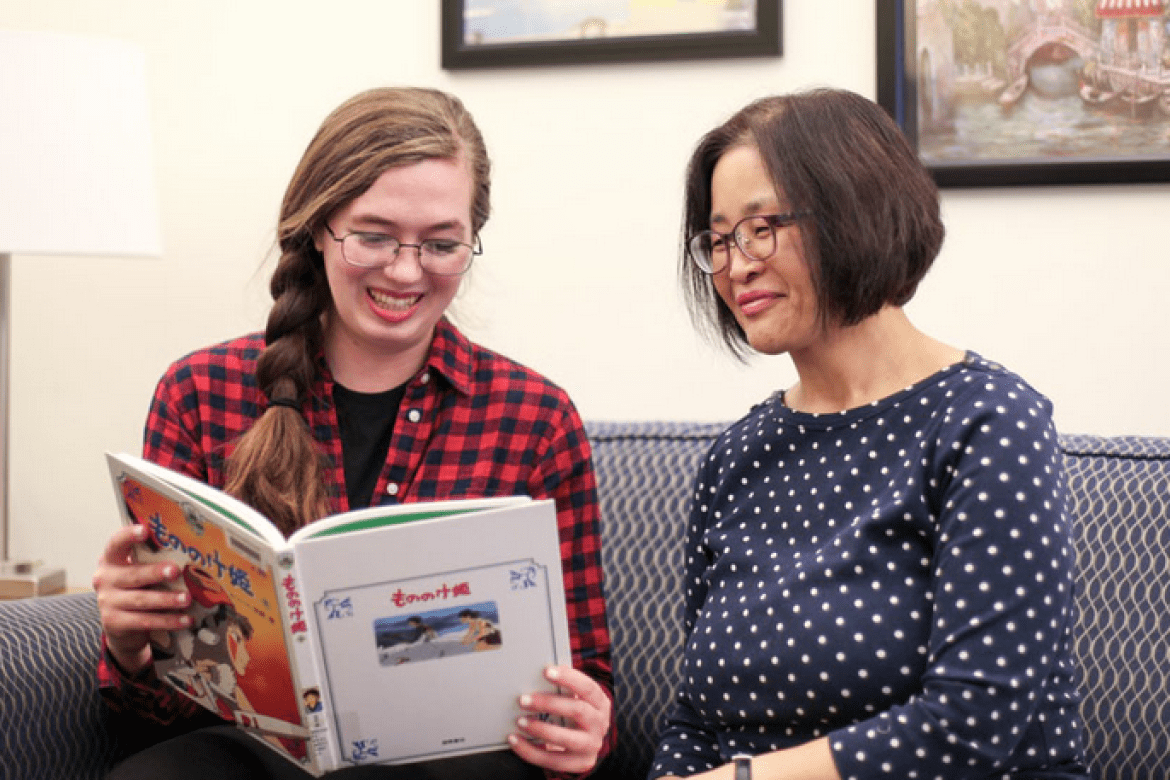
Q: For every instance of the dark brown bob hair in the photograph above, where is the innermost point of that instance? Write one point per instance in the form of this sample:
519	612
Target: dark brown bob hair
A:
874	227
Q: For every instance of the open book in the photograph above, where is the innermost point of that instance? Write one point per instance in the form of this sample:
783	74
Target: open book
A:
383	635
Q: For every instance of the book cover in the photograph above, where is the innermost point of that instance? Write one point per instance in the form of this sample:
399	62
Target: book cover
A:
234	659
384	635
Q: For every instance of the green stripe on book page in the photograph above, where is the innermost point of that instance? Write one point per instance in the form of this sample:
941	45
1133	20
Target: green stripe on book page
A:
385	520
219	510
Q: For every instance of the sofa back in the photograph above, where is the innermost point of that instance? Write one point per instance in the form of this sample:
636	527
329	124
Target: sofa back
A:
1120	501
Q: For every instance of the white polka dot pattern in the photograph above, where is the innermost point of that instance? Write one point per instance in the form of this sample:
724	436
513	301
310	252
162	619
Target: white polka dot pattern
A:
898	578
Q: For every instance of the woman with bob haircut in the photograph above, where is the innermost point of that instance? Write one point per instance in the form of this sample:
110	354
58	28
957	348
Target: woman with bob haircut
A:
879	565
361	392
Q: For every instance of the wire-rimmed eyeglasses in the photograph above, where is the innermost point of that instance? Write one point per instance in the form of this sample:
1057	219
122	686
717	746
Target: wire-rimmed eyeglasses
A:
440	256
755	236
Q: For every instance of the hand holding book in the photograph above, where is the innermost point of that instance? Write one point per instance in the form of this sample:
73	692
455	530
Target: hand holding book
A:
135	599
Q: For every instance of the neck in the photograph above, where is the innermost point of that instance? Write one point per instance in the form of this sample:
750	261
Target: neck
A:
859	364
355	367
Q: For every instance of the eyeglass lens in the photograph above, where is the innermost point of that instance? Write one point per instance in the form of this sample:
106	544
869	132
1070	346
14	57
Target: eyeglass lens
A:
755	237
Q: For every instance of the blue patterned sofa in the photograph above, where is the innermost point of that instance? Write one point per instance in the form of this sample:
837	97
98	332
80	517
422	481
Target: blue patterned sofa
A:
51	722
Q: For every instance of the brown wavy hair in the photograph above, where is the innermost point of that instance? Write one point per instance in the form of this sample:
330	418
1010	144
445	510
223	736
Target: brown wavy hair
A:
874	227
276	466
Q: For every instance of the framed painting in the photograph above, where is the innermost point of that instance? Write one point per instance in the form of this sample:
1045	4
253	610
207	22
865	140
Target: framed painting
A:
521	33
1050	92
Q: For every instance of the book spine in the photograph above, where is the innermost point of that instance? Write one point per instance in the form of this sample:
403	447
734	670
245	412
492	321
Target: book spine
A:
304	658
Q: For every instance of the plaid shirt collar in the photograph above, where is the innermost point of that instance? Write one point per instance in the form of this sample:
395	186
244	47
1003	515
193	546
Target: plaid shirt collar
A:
450	356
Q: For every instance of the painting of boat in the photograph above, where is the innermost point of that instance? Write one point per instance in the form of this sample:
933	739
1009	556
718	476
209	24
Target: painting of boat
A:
1096	97
1010	96
1138	105
1075	90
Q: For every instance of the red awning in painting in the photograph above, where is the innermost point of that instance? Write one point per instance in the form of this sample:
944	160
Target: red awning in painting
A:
1125	9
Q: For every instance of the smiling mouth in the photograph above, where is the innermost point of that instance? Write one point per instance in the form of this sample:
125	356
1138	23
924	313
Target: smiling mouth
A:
393	302
751	303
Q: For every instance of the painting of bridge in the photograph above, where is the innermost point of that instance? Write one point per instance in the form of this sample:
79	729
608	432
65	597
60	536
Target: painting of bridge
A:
1025	80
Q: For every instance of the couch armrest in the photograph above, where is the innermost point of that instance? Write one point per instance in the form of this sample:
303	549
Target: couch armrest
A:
52	721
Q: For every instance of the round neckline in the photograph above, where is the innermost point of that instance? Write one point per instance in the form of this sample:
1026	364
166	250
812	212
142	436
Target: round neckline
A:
857	413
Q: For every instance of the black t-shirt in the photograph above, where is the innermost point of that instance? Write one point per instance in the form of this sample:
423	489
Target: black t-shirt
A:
367	425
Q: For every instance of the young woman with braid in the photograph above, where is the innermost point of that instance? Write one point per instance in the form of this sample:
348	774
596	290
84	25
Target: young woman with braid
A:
359	392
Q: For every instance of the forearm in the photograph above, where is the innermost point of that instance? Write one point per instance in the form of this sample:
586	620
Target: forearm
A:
142	694
810	761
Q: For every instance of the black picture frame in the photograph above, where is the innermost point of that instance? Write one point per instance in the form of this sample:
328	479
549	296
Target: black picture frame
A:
764	41
898	92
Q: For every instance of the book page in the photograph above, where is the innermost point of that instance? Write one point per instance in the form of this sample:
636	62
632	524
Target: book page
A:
430	631
395	514
224	506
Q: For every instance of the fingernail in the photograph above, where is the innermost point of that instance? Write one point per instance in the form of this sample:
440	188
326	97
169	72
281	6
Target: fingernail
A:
513	739
522	722
552	673
525	700
170	571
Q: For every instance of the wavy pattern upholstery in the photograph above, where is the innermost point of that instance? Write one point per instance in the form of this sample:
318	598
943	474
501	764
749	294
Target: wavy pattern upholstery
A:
51	721
644	475
1121	501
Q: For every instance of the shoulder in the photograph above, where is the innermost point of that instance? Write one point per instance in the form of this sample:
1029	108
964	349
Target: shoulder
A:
491	370
984	389
225	368
743	436
990	416
484	374
237	355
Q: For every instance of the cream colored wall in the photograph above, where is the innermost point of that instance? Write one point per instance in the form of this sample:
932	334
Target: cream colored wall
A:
1067	286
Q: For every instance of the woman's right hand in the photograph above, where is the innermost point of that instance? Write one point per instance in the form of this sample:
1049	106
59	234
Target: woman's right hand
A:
135	599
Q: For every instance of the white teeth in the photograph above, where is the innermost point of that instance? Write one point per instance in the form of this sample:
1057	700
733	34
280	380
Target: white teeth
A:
393	303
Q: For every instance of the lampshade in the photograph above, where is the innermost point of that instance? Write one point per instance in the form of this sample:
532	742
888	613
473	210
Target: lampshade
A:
75	152
75	170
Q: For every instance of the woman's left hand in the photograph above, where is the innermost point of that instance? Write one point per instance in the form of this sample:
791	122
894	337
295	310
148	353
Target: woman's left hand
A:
585	709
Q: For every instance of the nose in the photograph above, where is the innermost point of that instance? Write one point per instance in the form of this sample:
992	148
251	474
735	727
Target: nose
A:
407	265
740	265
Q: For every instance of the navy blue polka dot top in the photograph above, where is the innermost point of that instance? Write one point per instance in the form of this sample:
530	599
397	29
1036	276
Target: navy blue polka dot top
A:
897	577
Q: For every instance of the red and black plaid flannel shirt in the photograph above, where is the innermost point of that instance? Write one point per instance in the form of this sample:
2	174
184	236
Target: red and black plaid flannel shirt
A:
471	424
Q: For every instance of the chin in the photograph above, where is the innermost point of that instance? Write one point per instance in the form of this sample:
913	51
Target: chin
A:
767	345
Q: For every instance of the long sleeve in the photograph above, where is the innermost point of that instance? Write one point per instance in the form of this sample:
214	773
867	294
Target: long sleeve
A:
168	441
566	475
1002	590
686	745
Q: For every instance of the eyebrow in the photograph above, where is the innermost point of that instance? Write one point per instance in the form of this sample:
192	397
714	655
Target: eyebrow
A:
753	208
372	220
